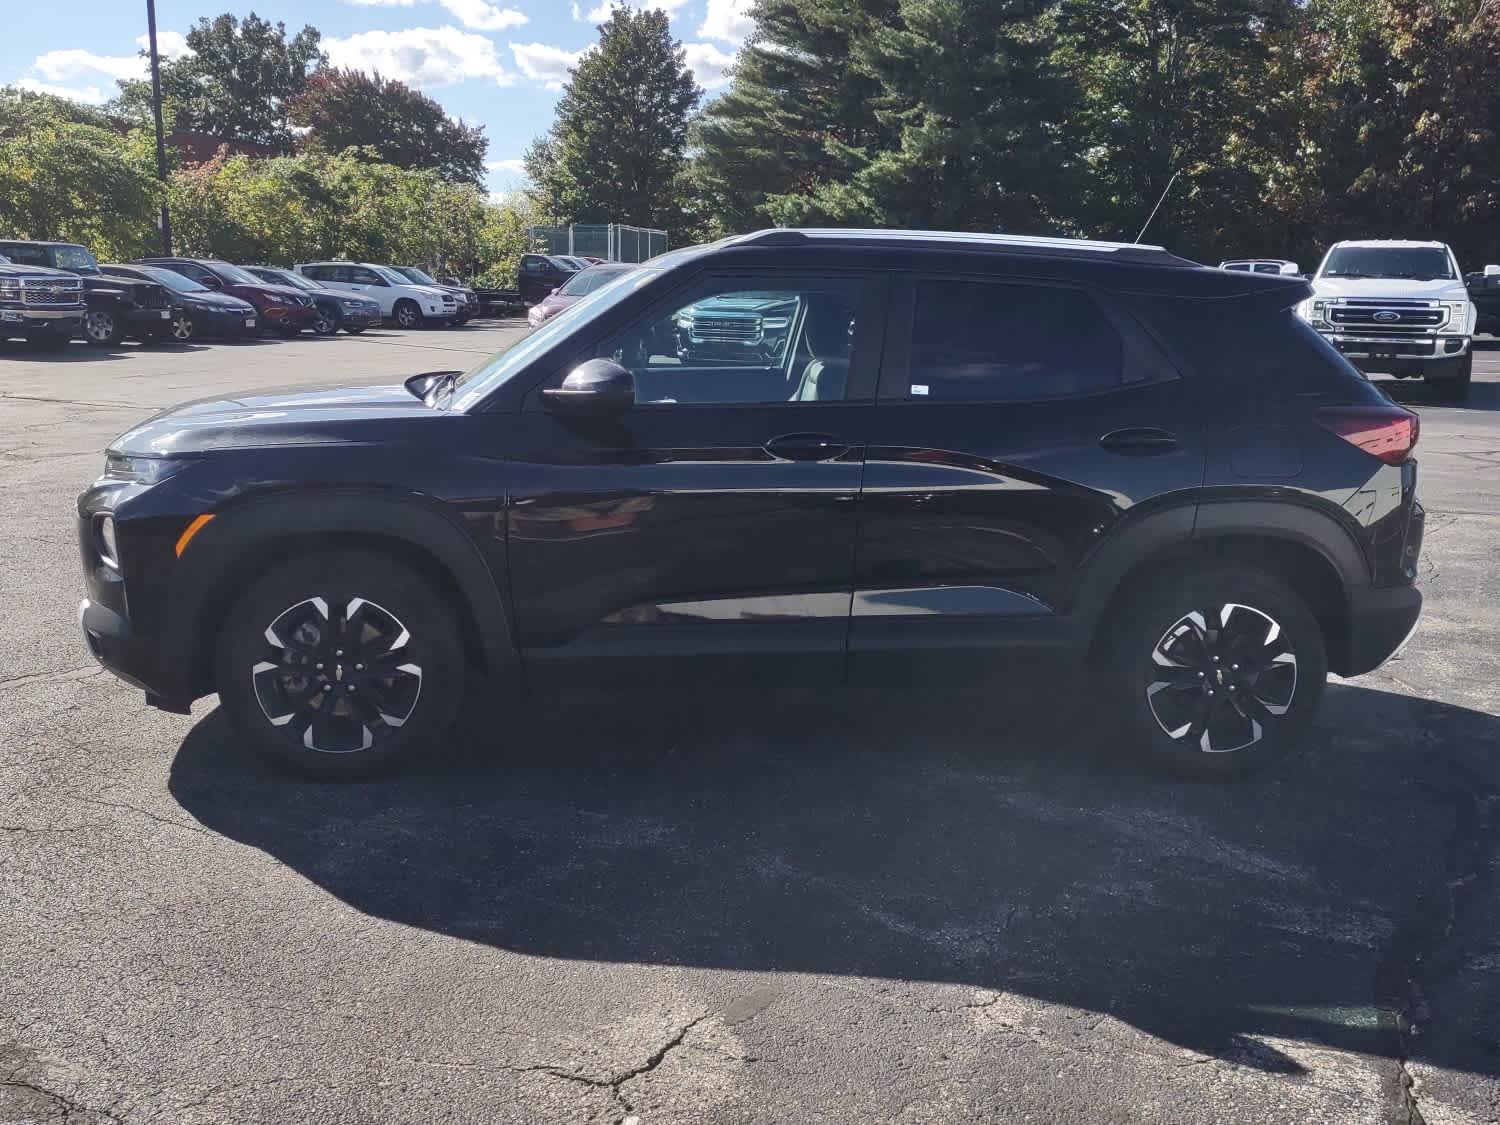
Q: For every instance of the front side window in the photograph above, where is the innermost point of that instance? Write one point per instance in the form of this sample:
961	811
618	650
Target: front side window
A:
360	276
746	340
980	341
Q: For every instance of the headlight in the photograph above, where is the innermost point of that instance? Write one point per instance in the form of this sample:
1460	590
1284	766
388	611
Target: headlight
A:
1314	311
108	549
142	470
10	290
1458	317
775	322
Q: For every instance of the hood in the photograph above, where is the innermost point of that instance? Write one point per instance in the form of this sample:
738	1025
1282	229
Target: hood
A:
215	300
338	415
1443	289
10	269
285	293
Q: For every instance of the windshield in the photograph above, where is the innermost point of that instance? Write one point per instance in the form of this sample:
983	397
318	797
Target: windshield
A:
394	277
236	276
1410	263
287	277
477	382
171	279
417	275
76	258
581	284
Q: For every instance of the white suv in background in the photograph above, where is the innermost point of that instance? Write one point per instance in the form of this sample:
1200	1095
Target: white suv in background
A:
408	305
1397	307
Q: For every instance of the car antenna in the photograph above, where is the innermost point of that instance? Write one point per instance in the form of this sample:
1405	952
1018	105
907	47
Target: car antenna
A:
1159	202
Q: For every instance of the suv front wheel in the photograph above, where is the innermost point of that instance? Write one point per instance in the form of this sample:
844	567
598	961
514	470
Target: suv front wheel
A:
1217	673
341	664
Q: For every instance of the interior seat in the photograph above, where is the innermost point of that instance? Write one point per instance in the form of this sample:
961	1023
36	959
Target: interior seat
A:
826	332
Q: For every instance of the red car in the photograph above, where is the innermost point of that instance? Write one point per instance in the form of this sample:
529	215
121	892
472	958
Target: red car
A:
281	307
580	285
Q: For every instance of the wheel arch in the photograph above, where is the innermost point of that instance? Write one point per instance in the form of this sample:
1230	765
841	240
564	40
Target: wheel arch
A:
245	540
1309	551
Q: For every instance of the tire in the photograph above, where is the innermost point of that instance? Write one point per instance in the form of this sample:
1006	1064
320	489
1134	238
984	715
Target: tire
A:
48	341
402	625
181	327
1197	630
1455	389
354	331
102	328
407	314
328	321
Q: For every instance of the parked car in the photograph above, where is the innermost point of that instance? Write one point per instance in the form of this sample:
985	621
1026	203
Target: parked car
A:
44	307
280	308
1397	307
468	300
573	290
540	274
115	307
335	308
974	451
197	310
1484	291
407	304
1262	265
737	328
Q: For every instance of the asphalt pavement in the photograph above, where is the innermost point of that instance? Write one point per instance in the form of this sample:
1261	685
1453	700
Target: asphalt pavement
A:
846	909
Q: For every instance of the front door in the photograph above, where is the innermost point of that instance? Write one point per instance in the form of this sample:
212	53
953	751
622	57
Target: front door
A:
1020	423
713	523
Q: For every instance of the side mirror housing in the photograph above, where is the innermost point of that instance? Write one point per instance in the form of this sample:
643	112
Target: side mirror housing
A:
599	386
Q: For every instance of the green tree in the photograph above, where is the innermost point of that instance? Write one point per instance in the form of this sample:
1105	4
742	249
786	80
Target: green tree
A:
239	82
67	174
401	126
1172	87
616	150
799	115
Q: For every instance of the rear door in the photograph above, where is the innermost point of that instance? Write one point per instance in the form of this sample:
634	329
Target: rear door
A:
1020	423
712	525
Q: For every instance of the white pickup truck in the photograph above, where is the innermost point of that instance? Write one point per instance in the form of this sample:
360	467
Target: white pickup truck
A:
1399	308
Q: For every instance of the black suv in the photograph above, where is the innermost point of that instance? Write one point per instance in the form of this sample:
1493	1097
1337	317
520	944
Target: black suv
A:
973	451
116	307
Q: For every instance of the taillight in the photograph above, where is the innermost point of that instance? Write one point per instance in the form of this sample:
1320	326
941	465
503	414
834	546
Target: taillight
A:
1387	432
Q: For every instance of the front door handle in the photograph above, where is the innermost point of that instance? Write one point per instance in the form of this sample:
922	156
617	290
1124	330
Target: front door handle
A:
1140	441
807	447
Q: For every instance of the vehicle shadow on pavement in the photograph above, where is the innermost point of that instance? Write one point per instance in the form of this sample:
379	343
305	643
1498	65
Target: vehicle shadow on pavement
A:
932	842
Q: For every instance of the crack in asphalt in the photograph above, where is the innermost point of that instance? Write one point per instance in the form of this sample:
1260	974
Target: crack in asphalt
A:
616	1080
171	823
1432	919
71	1110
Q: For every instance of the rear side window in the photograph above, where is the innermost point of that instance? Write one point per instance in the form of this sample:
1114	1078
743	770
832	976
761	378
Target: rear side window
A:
976	341
318	273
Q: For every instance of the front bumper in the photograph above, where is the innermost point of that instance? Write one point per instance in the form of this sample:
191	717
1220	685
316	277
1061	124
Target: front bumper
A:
1395	353
288	316
367	317
26	320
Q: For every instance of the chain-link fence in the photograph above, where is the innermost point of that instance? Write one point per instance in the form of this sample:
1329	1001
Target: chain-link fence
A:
613	241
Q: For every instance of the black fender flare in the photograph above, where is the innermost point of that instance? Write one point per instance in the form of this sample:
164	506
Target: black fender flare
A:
1178	528
246	530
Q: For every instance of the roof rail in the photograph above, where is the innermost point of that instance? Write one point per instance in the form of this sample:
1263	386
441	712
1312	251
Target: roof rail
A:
1009	243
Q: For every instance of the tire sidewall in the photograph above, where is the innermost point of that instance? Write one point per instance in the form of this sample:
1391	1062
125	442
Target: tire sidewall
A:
110	338
407	314
1138	630
338	576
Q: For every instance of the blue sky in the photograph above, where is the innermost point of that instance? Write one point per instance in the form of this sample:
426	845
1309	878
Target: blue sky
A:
498	63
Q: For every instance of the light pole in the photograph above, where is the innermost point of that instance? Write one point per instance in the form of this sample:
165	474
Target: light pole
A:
161	144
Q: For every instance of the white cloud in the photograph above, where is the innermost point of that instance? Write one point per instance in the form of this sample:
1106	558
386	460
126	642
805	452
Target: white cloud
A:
728	20
516	167
421	56
599	13
708	64
169	44
89	95
546	63
59	66
480	15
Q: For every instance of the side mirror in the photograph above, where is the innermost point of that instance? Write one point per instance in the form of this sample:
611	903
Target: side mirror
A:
594	386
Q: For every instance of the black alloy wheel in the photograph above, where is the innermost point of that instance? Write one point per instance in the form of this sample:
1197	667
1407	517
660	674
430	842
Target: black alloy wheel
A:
342	664
102	328
327	322
1216	670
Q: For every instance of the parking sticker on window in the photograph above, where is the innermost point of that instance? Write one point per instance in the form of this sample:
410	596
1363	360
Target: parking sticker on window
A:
919	388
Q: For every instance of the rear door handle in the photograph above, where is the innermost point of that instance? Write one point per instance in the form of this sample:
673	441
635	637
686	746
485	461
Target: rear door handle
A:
807	447
1140	441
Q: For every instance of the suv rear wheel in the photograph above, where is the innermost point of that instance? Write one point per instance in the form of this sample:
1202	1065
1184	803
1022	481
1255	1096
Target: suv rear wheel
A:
1217	673
341	664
